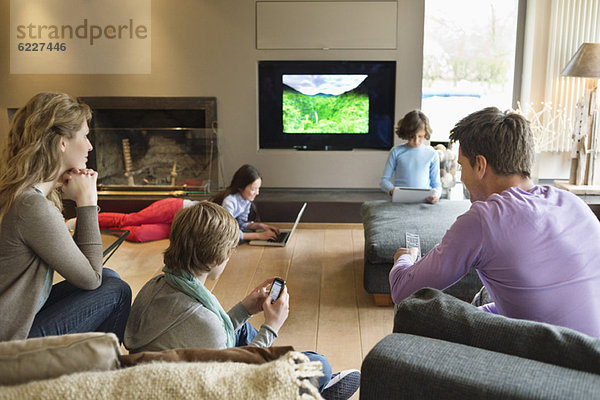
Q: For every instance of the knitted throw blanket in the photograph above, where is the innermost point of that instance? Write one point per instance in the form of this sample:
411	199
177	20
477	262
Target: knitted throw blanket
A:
283	378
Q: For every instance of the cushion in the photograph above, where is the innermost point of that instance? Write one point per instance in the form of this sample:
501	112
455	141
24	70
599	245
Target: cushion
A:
403	366
431	313
244	354
386	223
52	356
283	378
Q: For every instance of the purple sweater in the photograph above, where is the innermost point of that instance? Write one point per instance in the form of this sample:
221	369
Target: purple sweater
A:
537	253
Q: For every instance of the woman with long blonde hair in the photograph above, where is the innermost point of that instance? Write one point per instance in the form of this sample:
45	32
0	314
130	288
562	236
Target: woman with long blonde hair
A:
46	154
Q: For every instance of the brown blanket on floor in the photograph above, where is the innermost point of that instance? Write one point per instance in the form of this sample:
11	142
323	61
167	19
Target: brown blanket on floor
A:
243	354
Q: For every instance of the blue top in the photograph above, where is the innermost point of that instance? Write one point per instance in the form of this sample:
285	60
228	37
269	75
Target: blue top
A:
417	167
239	207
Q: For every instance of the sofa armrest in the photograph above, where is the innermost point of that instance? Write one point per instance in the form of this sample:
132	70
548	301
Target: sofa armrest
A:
431	313
49	357
415	367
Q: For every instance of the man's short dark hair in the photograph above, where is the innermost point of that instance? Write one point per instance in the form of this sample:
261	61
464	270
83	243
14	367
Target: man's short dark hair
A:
503	138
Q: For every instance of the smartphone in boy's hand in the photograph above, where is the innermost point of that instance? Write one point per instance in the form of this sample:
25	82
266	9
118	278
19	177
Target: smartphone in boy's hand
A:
276	289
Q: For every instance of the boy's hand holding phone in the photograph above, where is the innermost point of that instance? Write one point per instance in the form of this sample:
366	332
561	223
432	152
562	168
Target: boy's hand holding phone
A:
253	303
274	302
276	288
277	312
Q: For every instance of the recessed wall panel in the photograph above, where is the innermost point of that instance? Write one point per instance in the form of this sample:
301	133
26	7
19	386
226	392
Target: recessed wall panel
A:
326	25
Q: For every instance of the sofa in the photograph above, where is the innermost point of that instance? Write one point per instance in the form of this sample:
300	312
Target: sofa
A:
91	366
385	226
444	348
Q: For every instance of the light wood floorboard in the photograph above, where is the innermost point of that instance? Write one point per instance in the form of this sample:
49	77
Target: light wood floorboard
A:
339	328
330	312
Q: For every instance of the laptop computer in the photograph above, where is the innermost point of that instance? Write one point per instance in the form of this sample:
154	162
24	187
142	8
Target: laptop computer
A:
284	236
411	195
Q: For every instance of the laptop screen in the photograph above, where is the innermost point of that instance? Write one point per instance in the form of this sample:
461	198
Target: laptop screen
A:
297	220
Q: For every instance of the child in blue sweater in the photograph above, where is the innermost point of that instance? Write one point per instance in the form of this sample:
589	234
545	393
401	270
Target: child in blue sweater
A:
412	164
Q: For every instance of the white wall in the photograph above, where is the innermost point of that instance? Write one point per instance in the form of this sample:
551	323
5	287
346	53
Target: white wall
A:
207	48
552	165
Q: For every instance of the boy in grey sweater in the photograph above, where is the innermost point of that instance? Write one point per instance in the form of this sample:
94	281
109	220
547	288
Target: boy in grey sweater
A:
167	315
175	310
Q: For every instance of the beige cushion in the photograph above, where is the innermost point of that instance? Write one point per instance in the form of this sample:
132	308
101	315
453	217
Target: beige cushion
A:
52	356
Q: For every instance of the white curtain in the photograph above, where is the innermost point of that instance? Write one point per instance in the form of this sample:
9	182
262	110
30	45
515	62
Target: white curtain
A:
572	22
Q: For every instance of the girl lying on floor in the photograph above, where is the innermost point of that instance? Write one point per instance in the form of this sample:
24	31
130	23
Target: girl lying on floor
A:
154	221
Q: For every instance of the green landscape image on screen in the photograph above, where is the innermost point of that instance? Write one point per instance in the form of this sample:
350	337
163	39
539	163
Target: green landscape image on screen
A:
325	104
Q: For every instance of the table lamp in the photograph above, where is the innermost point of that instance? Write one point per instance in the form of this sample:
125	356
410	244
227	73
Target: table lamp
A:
585	64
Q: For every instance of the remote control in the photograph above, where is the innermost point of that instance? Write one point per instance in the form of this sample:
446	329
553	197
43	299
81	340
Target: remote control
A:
413	240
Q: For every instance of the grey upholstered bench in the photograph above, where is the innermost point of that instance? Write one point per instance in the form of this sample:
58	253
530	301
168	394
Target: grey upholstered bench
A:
385	225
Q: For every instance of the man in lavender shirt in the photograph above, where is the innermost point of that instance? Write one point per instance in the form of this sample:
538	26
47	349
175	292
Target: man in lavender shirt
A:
535	248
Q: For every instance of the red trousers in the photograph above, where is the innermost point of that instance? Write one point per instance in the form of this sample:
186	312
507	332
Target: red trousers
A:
151	223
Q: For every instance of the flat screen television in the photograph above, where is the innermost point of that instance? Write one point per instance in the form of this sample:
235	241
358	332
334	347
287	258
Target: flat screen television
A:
326	105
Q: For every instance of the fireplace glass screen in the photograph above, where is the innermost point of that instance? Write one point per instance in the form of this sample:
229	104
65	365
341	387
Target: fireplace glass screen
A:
154	145
176	158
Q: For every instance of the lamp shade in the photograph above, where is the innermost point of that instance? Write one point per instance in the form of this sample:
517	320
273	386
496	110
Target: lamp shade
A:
585	63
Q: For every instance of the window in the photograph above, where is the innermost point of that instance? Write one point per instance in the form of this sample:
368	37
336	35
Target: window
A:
468	59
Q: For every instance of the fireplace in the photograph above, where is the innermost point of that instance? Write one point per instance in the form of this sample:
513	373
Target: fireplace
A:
154	146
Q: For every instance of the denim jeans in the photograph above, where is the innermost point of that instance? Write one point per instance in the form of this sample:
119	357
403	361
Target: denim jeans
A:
247	332
73	310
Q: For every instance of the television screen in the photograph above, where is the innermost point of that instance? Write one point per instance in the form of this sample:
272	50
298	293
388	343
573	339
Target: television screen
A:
326	105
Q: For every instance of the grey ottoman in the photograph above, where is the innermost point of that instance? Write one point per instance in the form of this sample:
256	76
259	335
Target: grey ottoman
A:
385	225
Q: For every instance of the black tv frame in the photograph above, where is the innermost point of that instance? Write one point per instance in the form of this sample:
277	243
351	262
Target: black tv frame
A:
381	83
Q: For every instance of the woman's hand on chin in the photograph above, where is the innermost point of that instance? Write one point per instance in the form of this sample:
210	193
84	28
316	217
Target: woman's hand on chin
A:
79	185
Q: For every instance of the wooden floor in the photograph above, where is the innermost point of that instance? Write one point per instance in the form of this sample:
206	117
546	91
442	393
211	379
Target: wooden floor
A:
330	312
